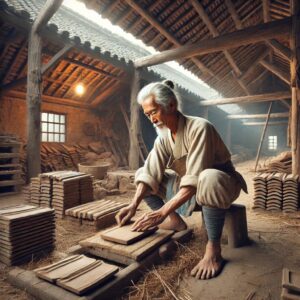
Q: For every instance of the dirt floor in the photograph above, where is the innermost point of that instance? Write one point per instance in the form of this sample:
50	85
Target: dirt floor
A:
252	272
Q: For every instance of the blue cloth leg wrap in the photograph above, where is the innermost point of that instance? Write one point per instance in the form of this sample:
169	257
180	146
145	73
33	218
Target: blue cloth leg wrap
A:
214	222
154	202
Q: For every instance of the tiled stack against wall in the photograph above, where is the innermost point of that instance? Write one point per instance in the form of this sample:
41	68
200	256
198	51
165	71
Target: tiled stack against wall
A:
26	231
276	192
260	191
61	190
291	193
10	168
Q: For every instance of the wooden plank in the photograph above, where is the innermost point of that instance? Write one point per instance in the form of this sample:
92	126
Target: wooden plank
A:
125	254
275	70
258	116
248	99
124	235
254	34
291	280
85	279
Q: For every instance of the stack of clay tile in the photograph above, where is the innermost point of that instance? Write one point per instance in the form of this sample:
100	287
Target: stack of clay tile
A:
26	231
70	189
45	196
260	191
274	192
35	190
290	193
95	210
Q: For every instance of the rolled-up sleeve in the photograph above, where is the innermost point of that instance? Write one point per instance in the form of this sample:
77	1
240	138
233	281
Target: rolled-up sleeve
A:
152	171
200	155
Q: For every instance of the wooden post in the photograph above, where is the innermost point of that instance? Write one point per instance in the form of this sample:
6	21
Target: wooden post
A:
295	60
133	157
263	136
34	88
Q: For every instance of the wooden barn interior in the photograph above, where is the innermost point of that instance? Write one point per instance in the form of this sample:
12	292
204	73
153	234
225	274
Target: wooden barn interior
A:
72	136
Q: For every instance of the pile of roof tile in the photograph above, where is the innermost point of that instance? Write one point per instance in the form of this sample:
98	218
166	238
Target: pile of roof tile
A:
61	190
276	192
26	231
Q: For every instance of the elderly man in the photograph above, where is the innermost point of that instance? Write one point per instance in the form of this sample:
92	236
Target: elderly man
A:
192	148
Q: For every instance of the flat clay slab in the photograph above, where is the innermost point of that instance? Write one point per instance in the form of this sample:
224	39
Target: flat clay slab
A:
124	235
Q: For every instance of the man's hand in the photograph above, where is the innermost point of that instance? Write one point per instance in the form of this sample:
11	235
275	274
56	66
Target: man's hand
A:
125	214
149	220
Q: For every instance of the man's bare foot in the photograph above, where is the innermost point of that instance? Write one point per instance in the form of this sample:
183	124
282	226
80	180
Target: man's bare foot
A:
211	264
173	222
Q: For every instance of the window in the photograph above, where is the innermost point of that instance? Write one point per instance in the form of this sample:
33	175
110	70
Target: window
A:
272	143
53	127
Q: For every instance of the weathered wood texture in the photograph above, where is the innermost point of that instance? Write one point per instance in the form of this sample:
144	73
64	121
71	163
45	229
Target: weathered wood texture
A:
263	136
295	83
258	116
34	88
248	99
133	157
238	38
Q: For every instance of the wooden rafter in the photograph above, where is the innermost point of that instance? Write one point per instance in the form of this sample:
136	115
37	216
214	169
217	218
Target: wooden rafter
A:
258	116
164	32
275	70
266	10
247	99
263	123
238	38
280	49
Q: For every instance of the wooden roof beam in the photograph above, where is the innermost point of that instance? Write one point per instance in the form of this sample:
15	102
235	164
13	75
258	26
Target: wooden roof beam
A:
45	68
280	49
248	99
164	32
236	19
258	116
250	35
275	70
214	31
266	10
263	123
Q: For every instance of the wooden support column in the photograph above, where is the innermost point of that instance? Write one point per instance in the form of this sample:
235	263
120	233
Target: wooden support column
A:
34	88
263	136
295	83
133	158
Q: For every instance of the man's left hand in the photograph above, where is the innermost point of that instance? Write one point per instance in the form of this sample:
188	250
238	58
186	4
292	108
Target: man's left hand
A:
148	220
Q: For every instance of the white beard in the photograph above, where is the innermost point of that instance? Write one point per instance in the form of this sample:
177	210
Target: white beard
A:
162	131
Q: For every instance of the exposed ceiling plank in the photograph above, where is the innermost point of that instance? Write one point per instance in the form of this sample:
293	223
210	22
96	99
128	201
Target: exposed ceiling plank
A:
266	10
248	99
235	39
280	49
234	15
258	116
275	70
263	123
164	32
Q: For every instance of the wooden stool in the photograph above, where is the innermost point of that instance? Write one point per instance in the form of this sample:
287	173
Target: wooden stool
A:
236	226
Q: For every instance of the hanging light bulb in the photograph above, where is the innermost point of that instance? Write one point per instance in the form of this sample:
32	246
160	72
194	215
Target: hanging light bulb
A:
80	89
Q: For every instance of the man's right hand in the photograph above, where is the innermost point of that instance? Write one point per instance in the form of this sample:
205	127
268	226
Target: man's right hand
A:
125	214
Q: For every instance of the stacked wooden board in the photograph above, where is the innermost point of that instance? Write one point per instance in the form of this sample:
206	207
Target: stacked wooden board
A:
123	252
100	213
61	190
26	231
10	168
77	273
276	192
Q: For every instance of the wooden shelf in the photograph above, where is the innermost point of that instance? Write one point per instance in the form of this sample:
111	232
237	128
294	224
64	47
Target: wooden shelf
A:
9	155
11	182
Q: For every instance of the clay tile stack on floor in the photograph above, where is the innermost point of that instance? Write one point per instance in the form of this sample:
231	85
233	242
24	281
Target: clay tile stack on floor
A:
290	193
260	191
26	231
35	190
274	194
86	189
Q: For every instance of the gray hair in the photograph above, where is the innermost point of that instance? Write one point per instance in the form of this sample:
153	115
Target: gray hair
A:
163	93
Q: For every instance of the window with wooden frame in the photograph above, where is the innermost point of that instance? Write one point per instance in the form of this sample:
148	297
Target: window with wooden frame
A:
53	127
272	142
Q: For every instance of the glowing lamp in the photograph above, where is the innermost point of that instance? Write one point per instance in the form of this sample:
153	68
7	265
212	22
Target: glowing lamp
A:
79	89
